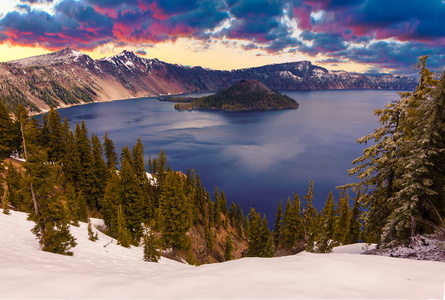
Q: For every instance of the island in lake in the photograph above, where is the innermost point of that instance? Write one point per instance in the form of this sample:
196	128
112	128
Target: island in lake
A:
242	96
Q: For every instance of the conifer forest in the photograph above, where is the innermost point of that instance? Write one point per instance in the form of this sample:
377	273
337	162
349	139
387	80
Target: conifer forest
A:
71	175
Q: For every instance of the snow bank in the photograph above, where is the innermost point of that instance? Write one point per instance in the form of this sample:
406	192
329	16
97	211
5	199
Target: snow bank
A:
103	269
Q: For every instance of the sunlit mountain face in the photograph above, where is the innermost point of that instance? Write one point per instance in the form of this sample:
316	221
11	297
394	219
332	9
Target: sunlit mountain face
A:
353	35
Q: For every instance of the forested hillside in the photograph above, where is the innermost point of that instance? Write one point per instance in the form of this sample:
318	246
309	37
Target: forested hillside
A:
242	96
69	176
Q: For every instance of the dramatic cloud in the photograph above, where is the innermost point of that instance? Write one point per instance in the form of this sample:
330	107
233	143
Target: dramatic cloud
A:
388	34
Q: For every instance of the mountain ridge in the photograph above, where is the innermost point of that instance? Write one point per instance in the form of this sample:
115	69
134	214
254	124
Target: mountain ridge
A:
69	77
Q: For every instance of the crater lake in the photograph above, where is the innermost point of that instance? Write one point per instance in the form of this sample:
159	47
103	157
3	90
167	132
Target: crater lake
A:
256	157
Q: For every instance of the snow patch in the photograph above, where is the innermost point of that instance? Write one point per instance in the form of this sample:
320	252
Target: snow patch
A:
289	75
102	269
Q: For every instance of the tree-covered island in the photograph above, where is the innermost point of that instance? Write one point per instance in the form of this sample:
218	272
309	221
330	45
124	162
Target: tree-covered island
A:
242	96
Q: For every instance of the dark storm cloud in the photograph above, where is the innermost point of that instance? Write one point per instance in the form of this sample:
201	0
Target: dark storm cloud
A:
323	43
392	55
405	20
355	30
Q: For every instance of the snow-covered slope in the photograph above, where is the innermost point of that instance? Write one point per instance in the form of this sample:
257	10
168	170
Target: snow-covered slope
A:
104	270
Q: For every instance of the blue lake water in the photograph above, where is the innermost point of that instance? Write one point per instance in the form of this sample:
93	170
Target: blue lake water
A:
257	158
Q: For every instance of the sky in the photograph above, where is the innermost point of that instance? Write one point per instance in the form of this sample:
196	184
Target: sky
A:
368	36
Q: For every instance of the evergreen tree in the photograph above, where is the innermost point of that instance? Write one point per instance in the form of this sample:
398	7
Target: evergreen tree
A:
355	225
259	237
418	207
110	153
278	224
100	170
228	249
110	203
123	237
326	234
174	213
15	189
51	218
232	214
402	174
72	204
70	161
132	200
56	143
342	219
292	223
86	177
209	238
151	253
5	201
91	235
223	204
254	233
82	204
217	209
310	217
138	161
266	239
159	165
7	133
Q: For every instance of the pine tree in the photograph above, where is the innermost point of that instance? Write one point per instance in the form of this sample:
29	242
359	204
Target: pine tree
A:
110	203
310	217
342	219
232	214
420	198
259	237
15	189
5	203
402	174
101	173
266	240
278	224
239	220
6	133
254	233
355	225
110	153
87	177
151	253
132	199
293	228
174	213
91	235
123	237
51	218
56	144
70	161
138	161
223	204
326	234
217	209
72	204
83	210
228	249
209	238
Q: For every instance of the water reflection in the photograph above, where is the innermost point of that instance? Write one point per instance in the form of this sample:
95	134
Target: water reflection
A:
257	158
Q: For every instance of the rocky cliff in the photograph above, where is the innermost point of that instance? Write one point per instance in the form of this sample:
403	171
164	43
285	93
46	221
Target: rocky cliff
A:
68	77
